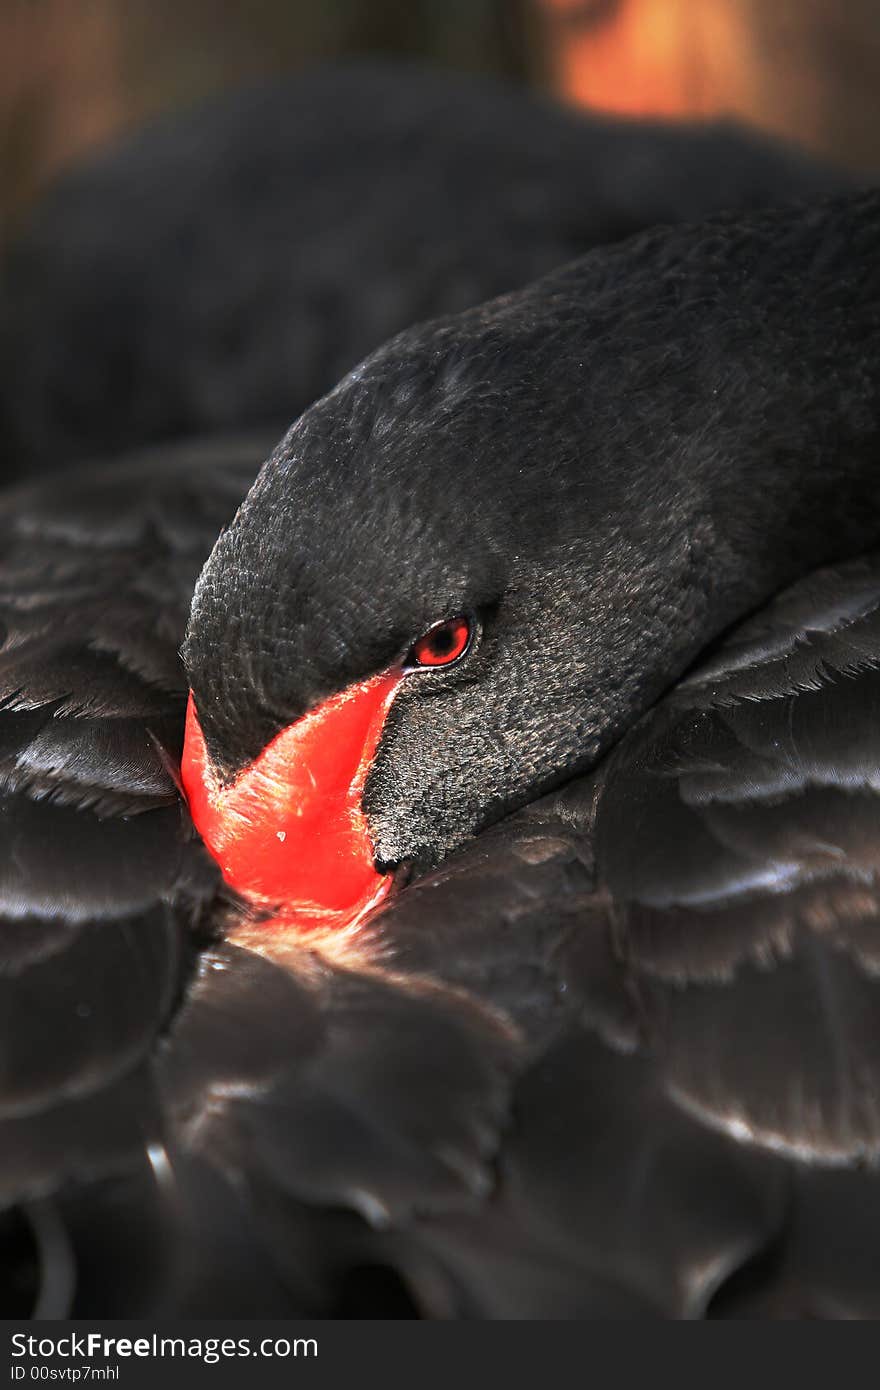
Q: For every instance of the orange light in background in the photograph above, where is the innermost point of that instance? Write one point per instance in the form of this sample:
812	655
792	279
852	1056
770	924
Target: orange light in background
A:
653	57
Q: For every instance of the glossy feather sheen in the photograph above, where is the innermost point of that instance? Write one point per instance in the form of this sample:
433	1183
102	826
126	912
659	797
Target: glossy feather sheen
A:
605	1061
618	1055
99	878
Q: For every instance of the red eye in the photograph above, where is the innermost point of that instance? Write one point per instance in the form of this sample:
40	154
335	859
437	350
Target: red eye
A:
442	644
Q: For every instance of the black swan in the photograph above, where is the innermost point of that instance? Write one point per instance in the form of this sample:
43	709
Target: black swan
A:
609	1047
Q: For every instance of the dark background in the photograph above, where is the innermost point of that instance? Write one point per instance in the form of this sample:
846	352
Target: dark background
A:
74	72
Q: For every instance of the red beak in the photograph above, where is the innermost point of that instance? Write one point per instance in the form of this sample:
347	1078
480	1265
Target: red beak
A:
290	831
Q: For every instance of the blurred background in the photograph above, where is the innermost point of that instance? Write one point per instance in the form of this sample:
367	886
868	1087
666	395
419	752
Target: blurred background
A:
75	72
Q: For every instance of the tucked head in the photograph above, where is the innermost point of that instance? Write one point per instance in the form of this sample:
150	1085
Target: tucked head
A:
465	570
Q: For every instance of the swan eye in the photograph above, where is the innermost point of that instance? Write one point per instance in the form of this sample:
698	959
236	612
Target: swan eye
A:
442	644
